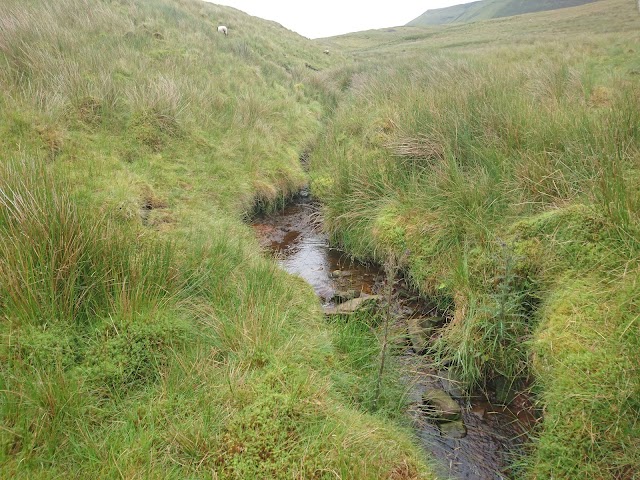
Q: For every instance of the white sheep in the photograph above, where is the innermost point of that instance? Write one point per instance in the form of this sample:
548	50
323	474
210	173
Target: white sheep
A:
223	29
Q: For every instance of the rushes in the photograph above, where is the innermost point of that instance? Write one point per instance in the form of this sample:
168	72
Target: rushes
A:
58	265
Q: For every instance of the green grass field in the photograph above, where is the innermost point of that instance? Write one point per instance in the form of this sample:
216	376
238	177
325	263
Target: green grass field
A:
143	334
504	156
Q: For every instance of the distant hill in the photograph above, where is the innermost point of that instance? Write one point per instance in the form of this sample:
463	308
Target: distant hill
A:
487	9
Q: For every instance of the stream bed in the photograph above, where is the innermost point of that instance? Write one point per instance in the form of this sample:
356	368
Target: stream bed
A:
491	434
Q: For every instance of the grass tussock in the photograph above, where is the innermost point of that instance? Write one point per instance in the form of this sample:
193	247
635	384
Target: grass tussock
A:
76	269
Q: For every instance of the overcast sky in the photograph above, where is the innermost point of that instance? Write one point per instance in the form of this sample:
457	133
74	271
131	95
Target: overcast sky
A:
325	18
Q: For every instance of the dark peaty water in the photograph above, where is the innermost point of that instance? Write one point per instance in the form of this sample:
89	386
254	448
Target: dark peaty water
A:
295	239
302	249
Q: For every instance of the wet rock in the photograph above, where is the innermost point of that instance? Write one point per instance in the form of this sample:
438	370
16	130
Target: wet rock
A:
455	429
504	390
352	306
340	274
451	383
420	331
342	296
440	406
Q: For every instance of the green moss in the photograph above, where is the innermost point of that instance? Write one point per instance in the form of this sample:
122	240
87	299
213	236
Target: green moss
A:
388	230
46	347
589	382
125	355
576	237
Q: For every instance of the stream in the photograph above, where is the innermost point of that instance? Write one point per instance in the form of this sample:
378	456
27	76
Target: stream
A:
491	434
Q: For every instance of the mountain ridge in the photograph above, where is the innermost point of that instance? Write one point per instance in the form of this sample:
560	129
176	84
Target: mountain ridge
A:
488	9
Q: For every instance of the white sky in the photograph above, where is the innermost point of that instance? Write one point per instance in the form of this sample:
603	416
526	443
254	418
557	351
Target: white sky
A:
325	18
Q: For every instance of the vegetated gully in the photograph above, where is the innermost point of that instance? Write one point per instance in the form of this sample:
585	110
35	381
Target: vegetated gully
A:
479	447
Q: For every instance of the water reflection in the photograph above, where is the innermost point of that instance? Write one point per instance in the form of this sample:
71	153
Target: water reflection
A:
302	249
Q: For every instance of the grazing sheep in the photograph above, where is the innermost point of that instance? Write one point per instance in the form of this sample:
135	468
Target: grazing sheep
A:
223	29
326	52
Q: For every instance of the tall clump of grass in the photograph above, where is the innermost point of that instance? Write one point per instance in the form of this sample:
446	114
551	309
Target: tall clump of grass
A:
57	264
85	313
617	173
486	342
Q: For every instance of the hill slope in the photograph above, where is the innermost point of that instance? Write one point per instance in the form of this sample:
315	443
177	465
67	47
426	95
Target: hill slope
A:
142	333
487	9
499	161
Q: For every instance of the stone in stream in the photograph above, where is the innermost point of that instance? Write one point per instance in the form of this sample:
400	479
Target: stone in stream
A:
352	306
454	429
451	383
440	406
340	274
420	330
342	296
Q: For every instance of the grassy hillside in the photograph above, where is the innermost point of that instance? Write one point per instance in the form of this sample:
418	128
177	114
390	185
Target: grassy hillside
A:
142	333
563	26
501	159
488	9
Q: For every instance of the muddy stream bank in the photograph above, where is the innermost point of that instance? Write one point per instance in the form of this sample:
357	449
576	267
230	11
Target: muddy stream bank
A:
481	445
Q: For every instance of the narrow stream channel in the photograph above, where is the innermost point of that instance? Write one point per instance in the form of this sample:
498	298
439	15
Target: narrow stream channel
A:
491	434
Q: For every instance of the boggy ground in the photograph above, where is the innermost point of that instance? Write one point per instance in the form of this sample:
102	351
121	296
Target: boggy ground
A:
492	436
500	162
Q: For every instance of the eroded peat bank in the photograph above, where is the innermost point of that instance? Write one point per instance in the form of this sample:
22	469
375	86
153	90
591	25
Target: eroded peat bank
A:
477	438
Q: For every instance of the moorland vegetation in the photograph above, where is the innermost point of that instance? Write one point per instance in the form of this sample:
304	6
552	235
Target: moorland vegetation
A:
143	334
488	9
504	157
